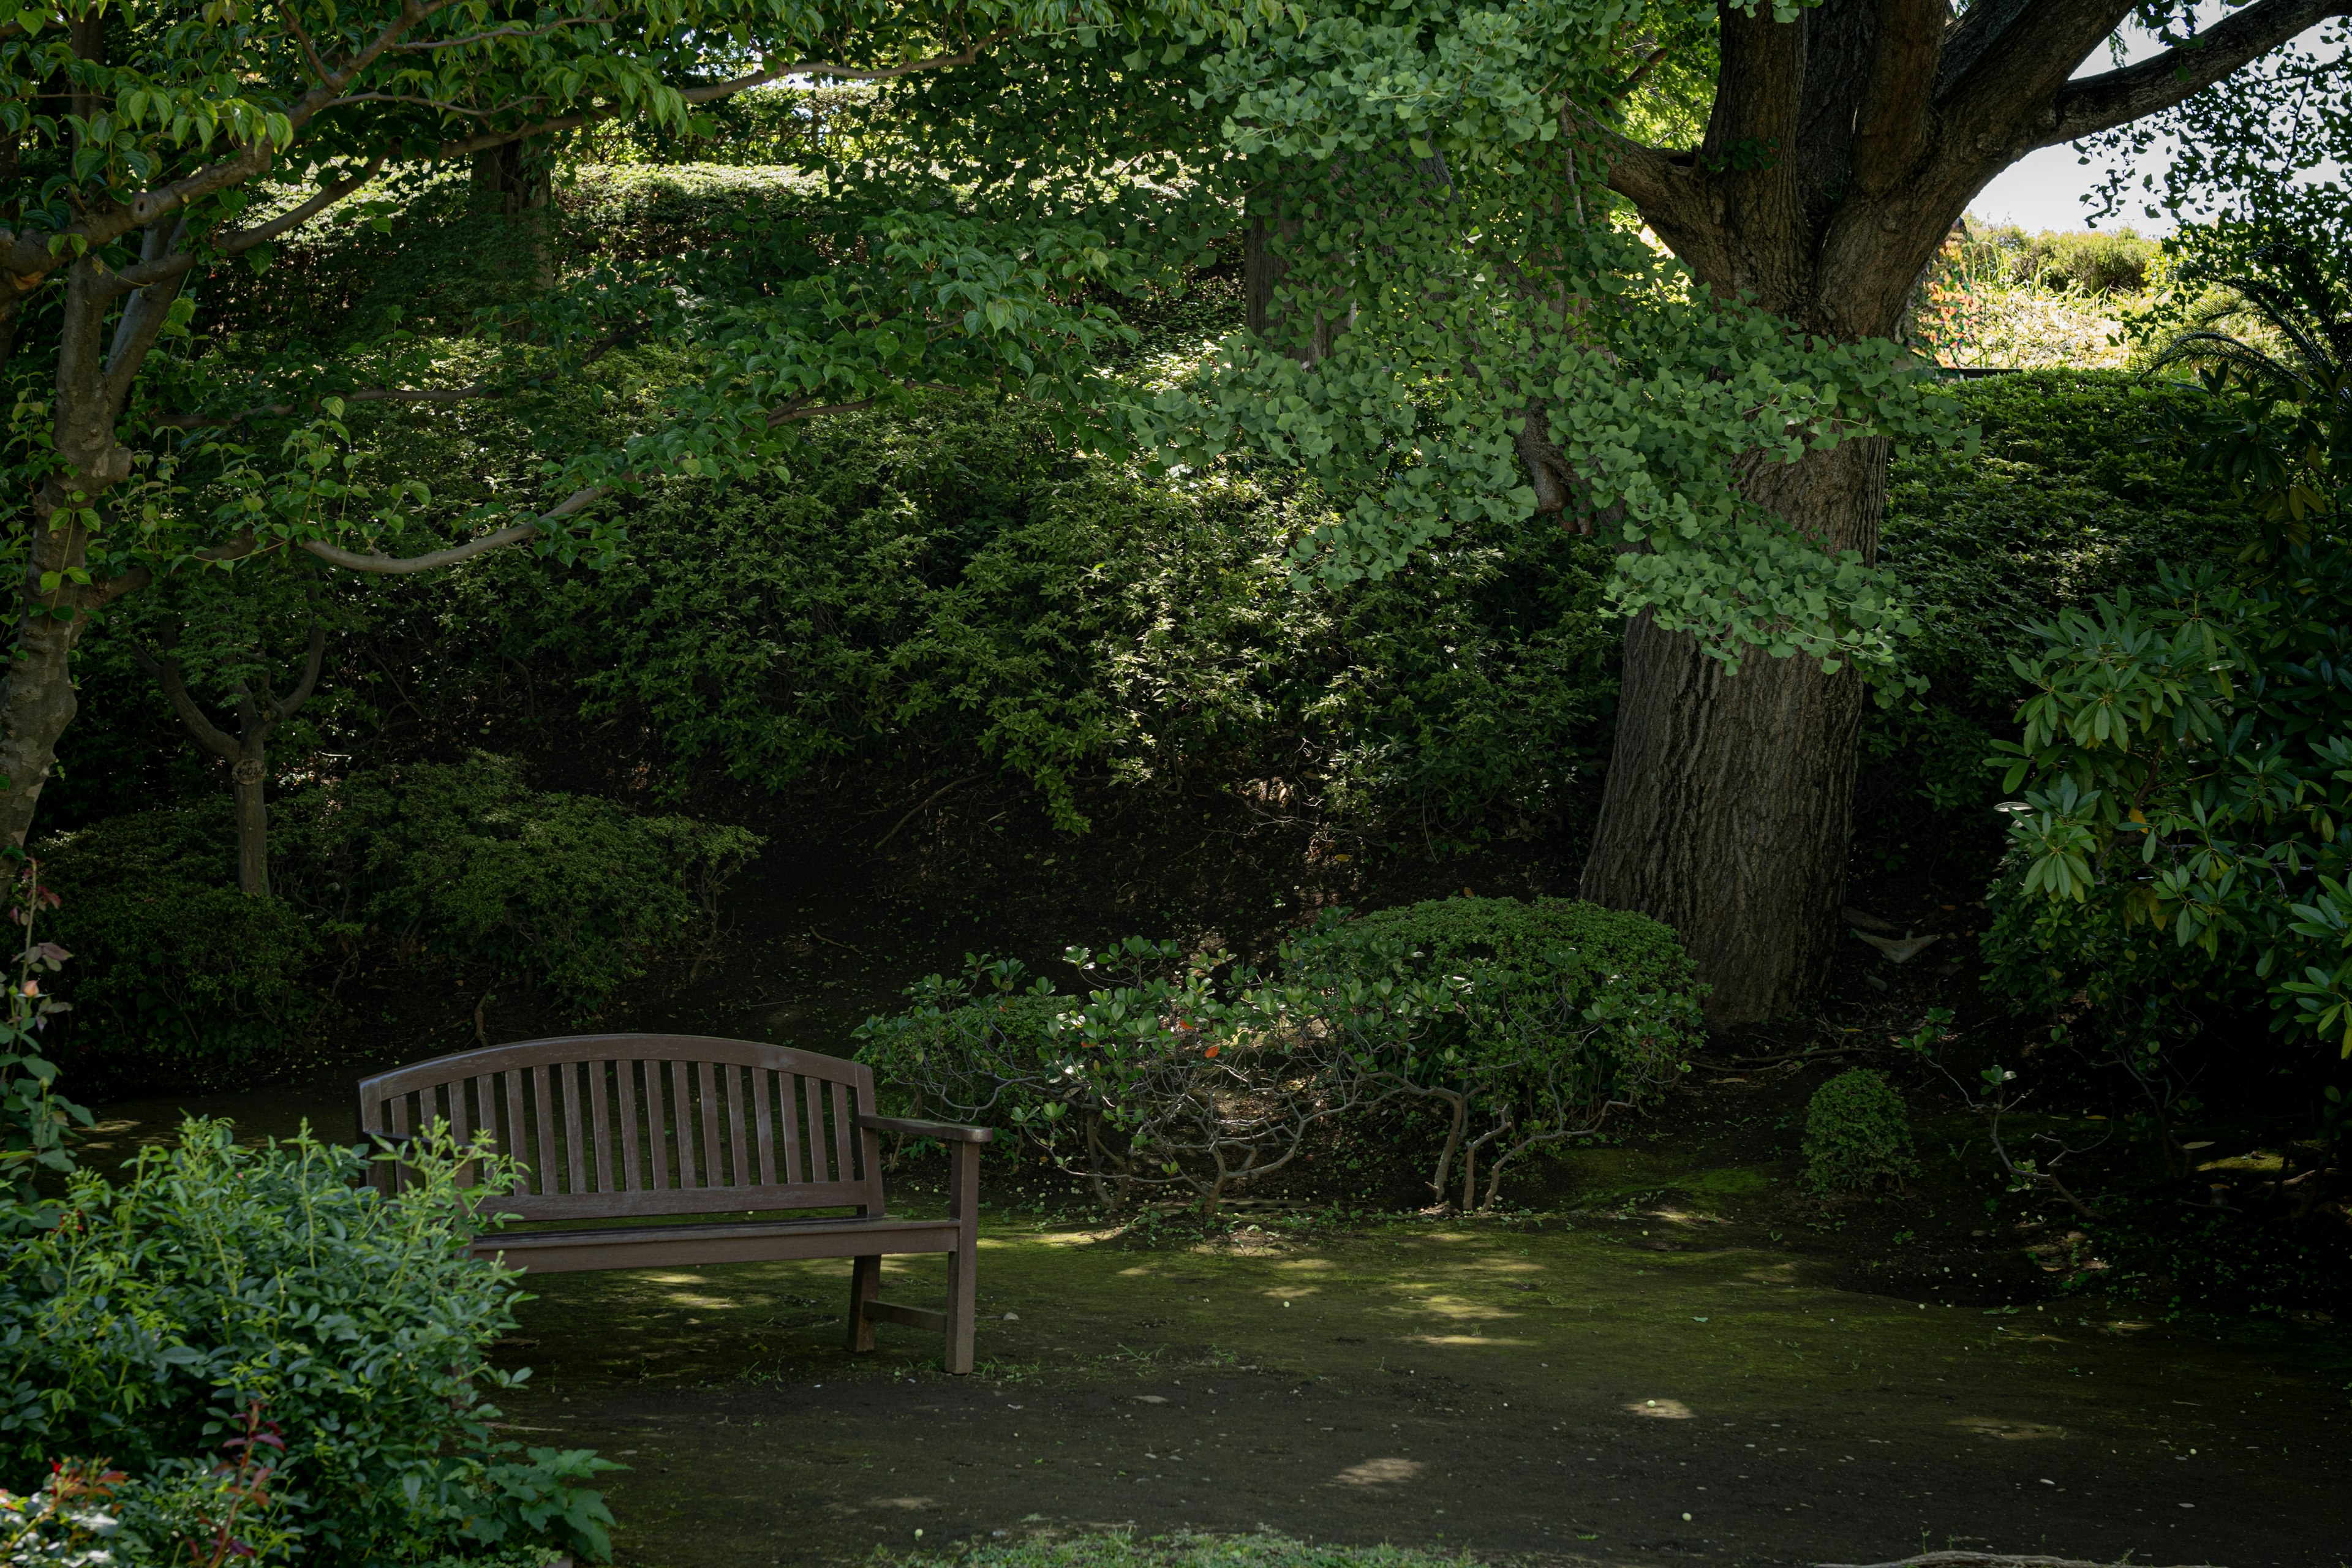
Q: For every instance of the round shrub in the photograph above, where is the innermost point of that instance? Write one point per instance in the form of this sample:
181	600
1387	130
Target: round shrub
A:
1857	1134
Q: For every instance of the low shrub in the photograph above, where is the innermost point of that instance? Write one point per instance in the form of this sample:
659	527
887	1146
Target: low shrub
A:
1857	1134
1529	1023
267	1352
1165	1078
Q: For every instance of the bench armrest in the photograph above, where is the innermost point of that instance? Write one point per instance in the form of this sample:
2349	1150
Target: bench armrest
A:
946	1131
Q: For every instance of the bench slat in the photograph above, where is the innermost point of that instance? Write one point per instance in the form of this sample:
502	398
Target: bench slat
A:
714	1169
575	1156
739	1166
603	1132
625	1098
844	1157
815	1098
763	1084
517	1141
657	1131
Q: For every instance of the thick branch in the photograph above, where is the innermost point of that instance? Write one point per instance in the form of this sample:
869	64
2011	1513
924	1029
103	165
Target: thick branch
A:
1891	128
2118	96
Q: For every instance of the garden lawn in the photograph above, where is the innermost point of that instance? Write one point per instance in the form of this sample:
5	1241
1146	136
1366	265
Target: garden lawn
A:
1628	1391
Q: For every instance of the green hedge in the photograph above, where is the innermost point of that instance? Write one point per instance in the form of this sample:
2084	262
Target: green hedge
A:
949	588
2082	486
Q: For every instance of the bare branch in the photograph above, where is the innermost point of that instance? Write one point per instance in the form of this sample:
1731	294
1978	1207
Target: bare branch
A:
1641	72
2118	96
237	242
442	105
312	662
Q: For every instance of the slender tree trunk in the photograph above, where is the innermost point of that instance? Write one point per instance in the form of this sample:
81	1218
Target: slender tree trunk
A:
251	778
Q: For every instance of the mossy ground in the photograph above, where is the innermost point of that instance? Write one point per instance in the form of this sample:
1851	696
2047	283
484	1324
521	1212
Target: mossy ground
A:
1553	1388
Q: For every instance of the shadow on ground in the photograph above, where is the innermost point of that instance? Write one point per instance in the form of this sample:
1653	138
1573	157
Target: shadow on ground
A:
1541	1389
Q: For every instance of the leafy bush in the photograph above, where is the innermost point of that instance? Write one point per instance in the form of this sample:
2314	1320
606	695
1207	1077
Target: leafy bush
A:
1529	1023
467	862
1165	1078
1857	1134
332	1342
2187	758
172	964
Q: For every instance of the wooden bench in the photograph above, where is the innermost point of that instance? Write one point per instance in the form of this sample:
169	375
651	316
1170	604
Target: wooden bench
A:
660	1127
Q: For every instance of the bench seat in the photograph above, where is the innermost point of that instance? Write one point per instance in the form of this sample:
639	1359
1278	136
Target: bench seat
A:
675	1130
720	1241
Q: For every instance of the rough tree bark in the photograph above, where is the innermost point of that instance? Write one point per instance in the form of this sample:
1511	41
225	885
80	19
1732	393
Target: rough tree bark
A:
1841	148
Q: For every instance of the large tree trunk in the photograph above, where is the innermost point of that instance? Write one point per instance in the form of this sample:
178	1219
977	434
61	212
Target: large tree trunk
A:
1729	798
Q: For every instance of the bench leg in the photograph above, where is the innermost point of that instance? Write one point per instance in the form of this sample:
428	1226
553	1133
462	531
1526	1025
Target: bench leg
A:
963	1204
865	1284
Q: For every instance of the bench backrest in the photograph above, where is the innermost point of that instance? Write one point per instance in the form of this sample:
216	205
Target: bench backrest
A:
610	1126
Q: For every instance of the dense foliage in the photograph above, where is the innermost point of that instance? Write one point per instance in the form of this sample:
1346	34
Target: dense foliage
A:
2187	756
272	1353
2084	484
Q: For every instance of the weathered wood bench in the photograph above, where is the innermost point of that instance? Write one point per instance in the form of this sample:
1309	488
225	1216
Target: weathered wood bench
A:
659	1128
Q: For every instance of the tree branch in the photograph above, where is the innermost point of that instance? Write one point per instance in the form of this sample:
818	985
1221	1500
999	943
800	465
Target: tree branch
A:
27	259
302	37
166	671
433	44
384	565
710	92
2118	96
312	662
